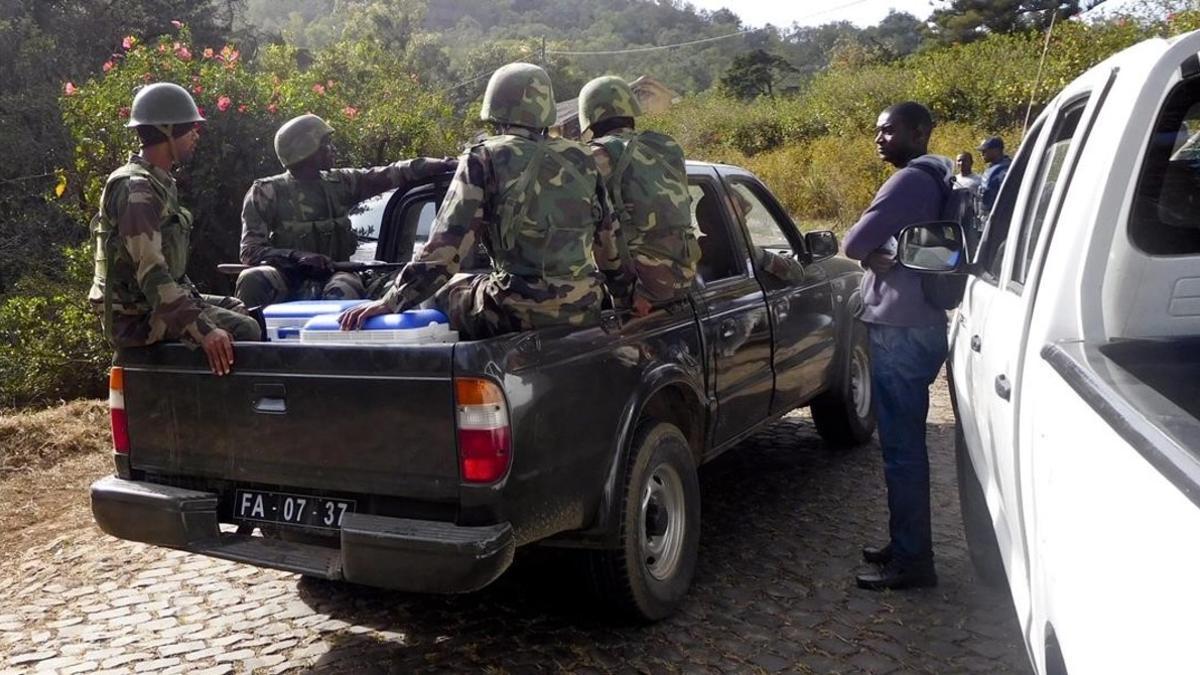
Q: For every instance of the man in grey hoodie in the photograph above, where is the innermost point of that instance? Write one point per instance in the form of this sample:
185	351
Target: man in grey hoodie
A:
908	341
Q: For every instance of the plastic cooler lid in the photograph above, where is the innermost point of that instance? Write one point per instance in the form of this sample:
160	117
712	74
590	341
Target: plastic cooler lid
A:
413	318
302	309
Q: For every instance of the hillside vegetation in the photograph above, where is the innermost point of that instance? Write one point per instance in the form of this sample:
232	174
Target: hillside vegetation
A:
399	78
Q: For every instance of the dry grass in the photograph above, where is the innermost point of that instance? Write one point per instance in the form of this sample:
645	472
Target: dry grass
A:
41	439
48	458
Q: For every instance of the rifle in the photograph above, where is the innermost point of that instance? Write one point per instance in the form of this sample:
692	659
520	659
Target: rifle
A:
348	266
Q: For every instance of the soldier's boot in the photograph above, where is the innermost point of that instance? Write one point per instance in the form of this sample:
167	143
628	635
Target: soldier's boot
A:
344	286
262	285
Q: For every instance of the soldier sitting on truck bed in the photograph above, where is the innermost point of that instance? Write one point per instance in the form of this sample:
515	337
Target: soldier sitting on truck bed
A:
647	184
142	239
538	206
296	225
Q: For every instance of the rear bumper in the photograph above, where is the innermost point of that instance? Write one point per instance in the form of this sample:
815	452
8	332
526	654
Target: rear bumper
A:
398	553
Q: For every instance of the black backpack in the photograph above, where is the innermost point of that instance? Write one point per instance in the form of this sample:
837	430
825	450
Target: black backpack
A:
945	291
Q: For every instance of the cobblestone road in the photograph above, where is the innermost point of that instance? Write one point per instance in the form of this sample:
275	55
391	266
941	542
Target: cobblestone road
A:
783	520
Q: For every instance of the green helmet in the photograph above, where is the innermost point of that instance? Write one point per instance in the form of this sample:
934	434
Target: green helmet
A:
299	138
163	104
604	98
520	94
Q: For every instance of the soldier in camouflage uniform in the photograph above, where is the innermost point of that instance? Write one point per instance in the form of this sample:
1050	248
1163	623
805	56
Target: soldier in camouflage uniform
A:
647	184
142	237
296	225
536	203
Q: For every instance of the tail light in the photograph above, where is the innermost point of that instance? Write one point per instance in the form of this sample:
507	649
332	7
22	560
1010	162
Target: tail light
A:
116	410
484	442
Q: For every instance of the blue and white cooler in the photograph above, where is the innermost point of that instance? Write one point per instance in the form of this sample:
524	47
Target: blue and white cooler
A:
285	319
414	327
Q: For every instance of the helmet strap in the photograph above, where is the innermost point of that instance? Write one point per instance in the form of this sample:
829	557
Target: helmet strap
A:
168	131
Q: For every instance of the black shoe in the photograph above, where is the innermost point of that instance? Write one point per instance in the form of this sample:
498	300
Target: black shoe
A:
896	576
877	555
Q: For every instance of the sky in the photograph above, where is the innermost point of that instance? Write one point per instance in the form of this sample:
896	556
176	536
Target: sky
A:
783	13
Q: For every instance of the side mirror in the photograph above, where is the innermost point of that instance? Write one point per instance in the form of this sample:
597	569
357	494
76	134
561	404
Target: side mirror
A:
932	247
821	245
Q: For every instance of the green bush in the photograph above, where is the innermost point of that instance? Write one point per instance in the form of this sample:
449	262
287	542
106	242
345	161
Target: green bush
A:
51	347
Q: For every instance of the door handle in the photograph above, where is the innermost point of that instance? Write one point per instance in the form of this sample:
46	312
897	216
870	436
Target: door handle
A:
1003	387
976	343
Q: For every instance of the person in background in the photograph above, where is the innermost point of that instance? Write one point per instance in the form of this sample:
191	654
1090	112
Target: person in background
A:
965	176
992	151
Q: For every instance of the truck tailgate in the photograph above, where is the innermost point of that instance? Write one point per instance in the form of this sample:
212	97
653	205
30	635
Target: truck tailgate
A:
375	420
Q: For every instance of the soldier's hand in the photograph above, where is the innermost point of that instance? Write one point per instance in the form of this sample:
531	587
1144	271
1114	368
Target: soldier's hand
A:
355	317
314	264
218	347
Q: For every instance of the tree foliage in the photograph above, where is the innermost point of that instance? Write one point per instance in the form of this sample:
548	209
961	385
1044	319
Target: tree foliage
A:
966	20
755	74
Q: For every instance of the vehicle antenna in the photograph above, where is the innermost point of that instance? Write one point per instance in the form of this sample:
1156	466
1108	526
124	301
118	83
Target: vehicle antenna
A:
1037	81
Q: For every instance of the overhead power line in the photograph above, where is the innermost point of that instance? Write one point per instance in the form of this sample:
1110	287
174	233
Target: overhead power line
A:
637	50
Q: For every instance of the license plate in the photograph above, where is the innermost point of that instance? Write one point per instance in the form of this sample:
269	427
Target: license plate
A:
291	509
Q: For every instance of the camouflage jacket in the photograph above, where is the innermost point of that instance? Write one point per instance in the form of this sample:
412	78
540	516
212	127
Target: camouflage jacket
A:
282	214
646	179
539	209
142	238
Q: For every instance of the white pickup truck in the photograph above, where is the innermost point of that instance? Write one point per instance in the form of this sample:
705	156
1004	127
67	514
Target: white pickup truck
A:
1075	371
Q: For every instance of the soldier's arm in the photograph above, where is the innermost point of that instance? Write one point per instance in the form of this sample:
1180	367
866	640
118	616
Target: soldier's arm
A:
257	212
137	215
453	236
366	183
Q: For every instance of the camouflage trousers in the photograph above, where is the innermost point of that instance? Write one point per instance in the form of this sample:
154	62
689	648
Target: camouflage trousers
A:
139	330
265	285
661	276
478	308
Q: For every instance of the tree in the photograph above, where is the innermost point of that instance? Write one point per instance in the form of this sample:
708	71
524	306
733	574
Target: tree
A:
754	74
967	20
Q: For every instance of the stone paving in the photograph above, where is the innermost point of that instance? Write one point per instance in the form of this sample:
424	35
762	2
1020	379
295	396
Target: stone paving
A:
783	520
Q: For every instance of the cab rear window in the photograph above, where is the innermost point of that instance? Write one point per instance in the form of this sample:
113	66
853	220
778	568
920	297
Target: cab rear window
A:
1166	209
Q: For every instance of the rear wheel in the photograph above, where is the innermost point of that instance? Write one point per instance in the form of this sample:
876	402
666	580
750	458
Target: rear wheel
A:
648	577
977	521
845	415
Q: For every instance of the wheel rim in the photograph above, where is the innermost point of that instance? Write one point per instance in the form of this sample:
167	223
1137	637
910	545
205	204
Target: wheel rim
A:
860	383
662	522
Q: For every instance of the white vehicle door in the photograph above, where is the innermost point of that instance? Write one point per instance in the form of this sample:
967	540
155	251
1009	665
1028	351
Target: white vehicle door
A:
1051	159
972	392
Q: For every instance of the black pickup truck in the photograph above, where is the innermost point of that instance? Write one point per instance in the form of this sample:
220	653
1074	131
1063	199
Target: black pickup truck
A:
424	467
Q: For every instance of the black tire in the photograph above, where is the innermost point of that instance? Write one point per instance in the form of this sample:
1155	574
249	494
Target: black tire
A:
842	418
977	521
640	581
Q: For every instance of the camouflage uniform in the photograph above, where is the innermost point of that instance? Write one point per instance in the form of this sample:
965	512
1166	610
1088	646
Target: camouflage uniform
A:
536	204
285	218
646	180
140	286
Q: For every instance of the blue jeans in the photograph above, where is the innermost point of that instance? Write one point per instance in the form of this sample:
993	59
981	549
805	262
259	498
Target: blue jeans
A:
904	362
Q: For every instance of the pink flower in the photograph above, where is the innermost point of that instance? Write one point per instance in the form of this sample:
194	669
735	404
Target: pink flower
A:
350	112
242	108
272	108
208	52
162	48
201	109
128	42
108	65
197	89
319	89
123	112
184	54
177	23
69	89
223	103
